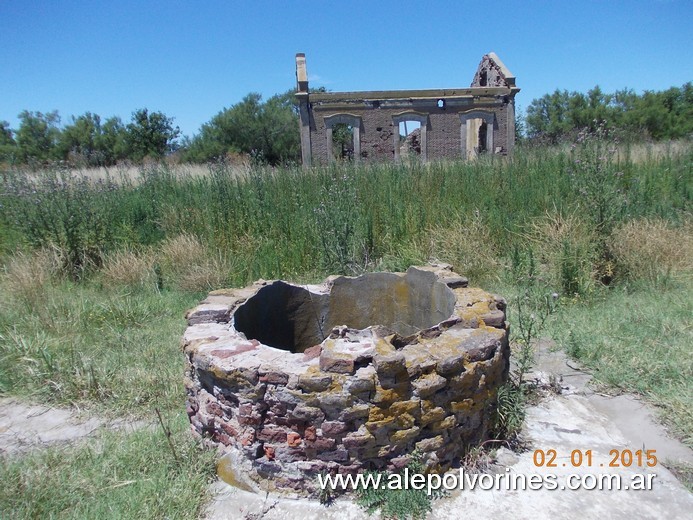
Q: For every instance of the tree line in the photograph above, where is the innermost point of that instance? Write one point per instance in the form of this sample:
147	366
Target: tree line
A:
667	114
268	131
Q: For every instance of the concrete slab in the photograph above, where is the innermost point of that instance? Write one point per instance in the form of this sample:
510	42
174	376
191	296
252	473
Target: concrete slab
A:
24	427
231	503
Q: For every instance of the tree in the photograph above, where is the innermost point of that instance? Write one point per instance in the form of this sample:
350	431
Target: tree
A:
37	136
150	135
280	129
112	140
267	131
79	141
547	116
8	146
660	115
520	127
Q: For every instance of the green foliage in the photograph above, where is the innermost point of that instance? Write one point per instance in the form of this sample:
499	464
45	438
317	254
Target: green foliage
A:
37	137
88	142
113	141
596	180
601	190
659	115
79	140
267	131
405	502
343	141
150	135
8	146
510	411
55	209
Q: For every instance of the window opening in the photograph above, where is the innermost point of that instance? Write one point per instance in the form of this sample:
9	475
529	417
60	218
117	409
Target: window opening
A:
483	130
483	78
409	138
343	141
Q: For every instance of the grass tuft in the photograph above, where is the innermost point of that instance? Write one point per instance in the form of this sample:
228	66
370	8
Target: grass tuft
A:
653	250
116	475
128	268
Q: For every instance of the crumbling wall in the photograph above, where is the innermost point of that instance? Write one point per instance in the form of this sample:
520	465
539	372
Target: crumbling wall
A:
377	115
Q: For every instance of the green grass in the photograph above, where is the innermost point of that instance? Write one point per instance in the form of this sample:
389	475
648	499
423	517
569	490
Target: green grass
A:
116	475
293	222
110	350
638	341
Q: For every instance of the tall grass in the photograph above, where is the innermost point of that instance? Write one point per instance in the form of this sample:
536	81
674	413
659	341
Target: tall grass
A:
306	223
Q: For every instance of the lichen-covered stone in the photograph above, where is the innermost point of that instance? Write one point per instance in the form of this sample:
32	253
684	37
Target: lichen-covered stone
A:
428	384
354	373
314	382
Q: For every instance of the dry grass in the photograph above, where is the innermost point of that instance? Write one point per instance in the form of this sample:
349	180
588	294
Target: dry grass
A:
468	245
561	240
133	174
128	268
190	265
650	249
179	253
27	275
646	152
211	273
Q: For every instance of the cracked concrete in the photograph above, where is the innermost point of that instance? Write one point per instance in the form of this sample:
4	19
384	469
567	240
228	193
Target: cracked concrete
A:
24	427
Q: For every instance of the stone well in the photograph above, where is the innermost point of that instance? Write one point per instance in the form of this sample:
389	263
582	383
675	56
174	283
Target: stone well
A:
350	375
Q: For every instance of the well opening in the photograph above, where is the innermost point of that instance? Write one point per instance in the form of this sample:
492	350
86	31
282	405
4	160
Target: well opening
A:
300	319
283	316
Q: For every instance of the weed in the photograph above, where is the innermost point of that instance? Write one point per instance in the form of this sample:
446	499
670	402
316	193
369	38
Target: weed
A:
402	502
55	209
530	308
326	494
601	190
510	412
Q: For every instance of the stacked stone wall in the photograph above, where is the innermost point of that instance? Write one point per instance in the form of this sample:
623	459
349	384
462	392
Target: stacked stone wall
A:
361	399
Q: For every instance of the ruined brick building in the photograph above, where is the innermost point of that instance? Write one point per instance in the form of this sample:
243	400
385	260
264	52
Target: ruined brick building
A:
374	126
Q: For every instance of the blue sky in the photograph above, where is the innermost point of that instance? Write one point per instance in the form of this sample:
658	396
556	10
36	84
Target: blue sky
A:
189	59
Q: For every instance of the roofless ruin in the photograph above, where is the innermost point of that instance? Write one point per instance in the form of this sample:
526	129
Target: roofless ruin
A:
374	126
